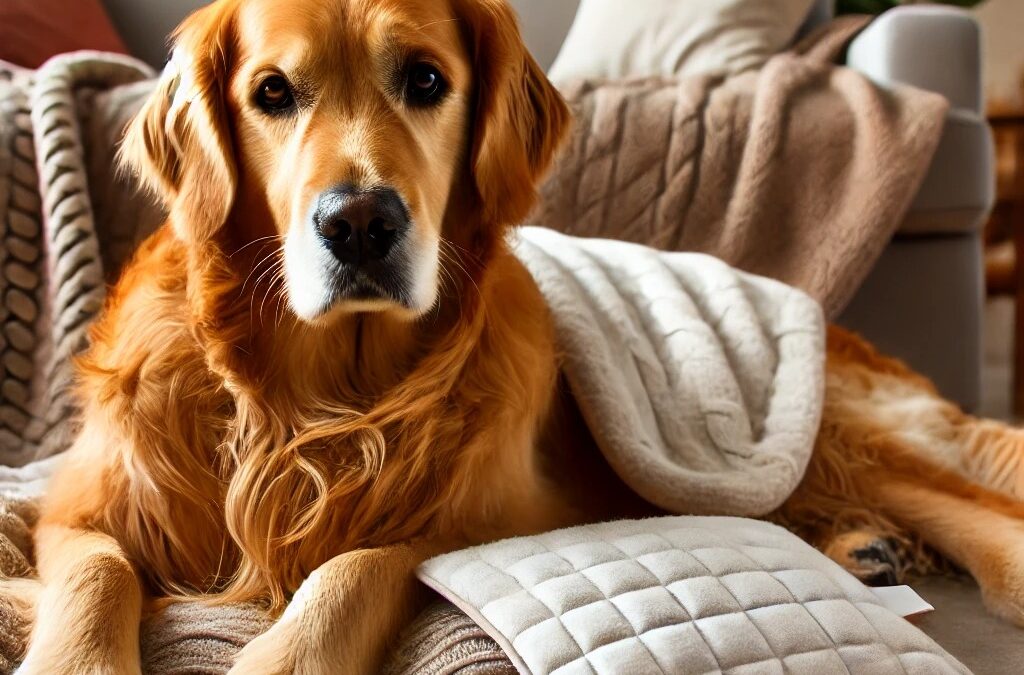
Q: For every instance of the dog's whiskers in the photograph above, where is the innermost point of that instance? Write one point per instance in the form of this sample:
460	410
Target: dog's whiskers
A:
453	258
277	269
255	268
256	241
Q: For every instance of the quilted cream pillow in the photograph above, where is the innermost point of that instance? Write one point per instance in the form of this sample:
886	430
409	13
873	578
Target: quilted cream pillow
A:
611	39
679	595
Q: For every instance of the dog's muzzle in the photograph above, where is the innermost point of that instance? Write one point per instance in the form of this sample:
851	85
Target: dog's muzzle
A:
368	232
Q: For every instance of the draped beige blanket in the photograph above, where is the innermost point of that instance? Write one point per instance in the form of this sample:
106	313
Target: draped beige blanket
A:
801	171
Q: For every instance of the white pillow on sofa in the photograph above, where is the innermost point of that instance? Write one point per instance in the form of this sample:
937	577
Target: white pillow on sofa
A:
614	39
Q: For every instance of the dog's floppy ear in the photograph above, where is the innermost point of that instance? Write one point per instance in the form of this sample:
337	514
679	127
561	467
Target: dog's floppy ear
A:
179	145
520	118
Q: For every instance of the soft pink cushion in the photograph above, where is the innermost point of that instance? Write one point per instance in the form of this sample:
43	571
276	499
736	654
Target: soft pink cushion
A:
32	31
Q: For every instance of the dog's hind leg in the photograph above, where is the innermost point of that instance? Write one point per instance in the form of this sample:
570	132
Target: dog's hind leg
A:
88	609
983	533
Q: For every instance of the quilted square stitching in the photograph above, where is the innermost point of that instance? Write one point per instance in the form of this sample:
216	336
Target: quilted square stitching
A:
539	644
596	624
502	557
580	666
756	589
626	656
690	537
790	629
870	658
515	613
896	631
650	608
769	559
672	565
770	666
582	556
681	649
816	661
843	622
734	639
889	637
481	583
644	543
756	557
806	585
620	576
558	540
562	594
540	568
721	560
704	597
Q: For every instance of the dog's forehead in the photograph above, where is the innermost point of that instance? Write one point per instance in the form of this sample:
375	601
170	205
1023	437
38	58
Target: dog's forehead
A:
339	26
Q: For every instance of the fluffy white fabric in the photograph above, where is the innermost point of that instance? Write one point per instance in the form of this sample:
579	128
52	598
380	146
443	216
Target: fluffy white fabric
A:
702	385
679	595
615	39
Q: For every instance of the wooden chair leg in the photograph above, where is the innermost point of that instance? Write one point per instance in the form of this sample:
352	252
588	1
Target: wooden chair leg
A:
1016	220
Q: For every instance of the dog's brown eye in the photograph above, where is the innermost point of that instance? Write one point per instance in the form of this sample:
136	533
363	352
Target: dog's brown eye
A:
425	84
275	95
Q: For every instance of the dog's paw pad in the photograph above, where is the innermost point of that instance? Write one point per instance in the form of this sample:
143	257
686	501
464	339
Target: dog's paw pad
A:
868	555
876	564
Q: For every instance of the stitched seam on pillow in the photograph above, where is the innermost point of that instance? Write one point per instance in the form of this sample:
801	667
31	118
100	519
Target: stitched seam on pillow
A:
835	647
636	634
692	621
529	591
755	566
731	594
880	638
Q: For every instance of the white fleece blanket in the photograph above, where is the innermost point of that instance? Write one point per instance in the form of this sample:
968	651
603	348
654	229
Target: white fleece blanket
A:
703	385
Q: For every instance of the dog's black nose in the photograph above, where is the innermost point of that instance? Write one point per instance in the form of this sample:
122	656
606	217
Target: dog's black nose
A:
360	225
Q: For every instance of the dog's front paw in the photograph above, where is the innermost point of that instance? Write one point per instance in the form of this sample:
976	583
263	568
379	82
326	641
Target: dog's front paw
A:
273	653
17	607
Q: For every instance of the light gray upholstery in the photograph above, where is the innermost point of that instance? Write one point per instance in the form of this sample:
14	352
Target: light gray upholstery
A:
923	301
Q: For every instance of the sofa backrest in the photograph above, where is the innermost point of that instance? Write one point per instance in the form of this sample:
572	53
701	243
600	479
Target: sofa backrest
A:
145	24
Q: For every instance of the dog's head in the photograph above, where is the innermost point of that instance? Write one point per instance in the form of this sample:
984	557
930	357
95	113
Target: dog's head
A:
355	135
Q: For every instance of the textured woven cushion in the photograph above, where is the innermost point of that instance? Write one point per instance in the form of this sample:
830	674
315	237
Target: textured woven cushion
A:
679	595
67	223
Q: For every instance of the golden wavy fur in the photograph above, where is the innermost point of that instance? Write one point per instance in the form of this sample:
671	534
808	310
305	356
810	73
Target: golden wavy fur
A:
234	447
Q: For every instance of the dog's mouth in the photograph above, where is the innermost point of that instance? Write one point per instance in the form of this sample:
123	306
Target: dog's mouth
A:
377	284
320	285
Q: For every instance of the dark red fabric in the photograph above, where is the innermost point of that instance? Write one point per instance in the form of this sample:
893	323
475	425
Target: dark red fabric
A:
32	31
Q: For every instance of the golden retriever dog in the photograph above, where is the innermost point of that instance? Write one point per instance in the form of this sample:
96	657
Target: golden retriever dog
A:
327	366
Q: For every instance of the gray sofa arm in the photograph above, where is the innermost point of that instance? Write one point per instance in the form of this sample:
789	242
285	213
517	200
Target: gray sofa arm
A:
938	49
933	48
